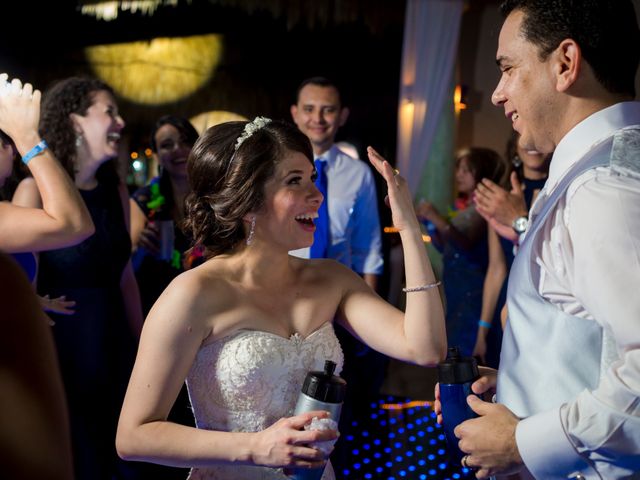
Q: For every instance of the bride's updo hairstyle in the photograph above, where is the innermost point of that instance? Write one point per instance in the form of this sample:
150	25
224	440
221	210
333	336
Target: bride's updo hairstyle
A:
228	181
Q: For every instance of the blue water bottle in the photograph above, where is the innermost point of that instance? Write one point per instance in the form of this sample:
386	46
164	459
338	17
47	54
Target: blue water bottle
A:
455	375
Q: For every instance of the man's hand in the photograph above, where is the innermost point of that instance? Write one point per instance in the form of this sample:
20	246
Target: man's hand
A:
485	386
490	439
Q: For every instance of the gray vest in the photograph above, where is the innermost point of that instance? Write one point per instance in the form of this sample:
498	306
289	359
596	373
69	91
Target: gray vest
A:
549	357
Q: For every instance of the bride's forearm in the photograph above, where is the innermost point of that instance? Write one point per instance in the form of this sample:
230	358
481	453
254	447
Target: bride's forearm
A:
424	313
177	445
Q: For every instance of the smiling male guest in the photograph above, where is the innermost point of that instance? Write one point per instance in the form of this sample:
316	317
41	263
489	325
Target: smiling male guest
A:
347	229
569	384
353	233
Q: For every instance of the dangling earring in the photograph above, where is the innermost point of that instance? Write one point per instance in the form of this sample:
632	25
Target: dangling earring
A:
252	231
516	161
78	140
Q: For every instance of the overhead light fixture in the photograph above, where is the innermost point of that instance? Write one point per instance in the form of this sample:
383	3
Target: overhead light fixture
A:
108	10
158	71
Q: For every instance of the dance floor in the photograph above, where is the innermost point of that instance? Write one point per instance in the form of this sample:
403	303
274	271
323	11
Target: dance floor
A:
399	439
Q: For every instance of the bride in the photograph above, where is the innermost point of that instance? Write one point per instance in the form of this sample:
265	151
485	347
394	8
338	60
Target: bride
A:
244	327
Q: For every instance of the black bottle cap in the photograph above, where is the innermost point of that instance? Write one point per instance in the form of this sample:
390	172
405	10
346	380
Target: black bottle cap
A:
325	386
457	369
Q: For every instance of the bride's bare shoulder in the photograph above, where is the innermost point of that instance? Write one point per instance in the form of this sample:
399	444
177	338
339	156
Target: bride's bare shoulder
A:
204	286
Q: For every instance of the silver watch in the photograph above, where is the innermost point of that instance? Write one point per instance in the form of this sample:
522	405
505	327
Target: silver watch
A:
520	225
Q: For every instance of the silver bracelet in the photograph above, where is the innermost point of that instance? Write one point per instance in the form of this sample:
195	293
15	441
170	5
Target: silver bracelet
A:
421	288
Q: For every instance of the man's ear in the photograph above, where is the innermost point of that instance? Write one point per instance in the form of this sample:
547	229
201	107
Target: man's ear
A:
567	64
344	115
294	112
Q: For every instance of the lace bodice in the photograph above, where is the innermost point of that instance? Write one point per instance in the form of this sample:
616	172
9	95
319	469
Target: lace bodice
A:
249	380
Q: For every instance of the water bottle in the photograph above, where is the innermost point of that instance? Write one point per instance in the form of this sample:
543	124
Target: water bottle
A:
455	375
320	391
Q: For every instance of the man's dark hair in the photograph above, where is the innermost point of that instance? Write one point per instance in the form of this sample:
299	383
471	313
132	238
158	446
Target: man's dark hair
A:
320	82
606	31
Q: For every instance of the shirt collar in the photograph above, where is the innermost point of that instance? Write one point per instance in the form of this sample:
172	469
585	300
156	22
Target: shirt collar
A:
329	156
588	133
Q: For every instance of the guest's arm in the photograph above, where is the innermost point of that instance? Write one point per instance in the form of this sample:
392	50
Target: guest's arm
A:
493	281
63	219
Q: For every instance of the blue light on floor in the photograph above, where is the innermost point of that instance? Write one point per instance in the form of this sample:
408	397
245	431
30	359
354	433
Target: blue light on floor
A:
398	442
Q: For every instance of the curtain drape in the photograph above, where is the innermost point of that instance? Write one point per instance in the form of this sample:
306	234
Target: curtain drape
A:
428	59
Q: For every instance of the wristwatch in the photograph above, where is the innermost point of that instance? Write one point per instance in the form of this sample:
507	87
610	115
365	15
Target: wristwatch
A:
520	225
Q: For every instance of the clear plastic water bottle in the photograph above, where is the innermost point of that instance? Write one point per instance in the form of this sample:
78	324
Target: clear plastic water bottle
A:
456	375
320	391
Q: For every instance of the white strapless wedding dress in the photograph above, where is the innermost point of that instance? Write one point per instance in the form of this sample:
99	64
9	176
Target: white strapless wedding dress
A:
247	381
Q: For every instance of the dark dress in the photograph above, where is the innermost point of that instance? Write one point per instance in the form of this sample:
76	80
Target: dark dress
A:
95	345
28	263
494	336
463	279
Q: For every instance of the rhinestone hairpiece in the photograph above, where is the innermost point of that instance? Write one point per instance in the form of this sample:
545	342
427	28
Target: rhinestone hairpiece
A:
251	128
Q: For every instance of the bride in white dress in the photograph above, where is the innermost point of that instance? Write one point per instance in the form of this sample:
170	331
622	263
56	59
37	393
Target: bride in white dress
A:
245	327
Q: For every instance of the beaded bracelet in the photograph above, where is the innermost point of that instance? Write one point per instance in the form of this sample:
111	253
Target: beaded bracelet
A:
482	323
37	150
422	287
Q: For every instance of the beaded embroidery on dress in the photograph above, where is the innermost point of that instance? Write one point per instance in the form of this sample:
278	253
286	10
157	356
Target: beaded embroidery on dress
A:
249	380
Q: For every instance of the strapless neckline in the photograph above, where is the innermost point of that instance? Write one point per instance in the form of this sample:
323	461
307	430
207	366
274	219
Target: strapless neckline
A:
295	337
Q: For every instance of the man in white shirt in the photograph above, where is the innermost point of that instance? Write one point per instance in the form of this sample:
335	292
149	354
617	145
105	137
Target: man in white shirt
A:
568	389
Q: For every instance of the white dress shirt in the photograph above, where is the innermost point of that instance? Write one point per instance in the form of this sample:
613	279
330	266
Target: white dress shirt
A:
353	214
586	262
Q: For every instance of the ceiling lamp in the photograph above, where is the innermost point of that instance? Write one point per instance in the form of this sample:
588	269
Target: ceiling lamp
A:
109	10
158	71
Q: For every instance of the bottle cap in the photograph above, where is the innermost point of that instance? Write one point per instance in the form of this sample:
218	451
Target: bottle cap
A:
457	369
325	386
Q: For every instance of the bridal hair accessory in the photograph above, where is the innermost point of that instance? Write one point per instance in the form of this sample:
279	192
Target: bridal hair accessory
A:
251	128
252	231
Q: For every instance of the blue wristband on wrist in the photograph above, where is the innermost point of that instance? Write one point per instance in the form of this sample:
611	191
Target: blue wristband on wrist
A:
482	323
37	150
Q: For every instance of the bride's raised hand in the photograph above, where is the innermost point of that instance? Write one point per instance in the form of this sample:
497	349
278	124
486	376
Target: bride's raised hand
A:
285	443
398	196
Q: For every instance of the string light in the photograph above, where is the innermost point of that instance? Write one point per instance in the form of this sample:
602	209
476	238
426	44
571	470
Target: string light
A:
108	11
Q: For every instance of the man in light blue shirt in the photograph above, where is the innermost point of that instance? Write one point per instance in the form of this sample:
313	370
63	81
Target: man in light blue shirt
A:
352	201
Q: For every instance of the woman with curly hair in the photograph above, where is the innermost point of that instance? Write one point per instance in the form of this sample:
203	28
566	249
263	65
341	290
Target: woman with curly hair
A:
96	345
